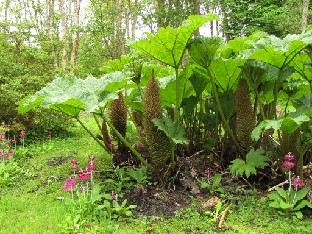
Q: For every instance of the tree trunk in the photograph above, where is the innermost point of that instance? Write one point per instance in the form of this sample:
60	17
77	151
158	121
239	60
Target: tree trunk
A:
305	13
74	51
51	30
134	18
63	34
195	10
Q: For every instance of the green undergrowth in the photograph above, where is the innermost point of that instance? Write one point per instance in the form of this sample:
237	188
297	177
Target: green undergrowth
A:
34	203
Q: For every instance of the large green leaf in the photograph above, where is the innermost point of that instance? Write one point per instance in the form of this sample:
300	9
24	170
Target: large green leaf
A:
302	64
280	52
116	64
281	192
226	72
174	131
289	125
168	44
285	205
203	50
302	193
31	104
70	94
265	125
257	159
71	107
199	82
303	106
168	89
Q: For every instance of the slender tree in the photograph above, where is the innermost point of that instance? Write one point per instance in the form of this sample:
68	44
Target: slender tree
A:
76	35
62	7
305	13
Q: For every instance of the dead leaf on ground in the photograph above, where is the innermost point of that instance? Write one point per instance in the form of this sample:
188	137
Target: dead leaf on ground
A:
210	204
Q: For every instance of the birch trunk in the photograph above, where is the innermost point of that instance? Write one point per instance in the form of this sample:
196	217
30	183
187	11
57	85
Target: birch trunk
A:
134	18
305	13
51	29
63	34
74	51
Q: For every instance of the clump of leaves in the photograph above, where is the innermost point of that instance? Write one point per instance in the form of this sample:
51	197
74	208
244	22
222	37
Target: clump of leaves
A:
254	159
9	173
213	185
139	175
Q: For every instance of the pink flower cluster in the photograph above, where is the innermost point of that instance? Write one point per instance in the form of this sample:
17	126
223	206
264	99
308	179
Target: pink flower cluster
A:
290	164
69	185
82	175
289	161
297	182
7	155
2	136
208	171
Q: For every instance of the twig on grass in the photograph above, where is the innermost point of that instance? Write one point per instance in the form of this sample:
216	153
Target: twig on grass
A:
223	216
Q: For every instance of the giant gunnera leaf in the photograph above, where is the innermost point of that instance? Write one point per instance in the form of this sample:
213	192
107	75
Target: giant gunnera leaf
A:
169	44
280	52
70	95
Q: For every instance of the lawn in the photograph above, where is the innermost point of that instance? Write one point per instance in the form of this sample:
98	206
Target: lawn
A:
34	201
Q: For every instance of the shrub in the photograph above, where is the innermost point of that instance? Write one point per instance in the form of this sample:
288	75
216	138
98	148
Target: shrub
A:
36	122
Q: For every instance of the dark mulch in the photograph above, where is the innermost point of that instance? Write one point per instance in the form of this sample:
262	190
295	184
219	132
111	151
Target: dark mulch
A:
166	199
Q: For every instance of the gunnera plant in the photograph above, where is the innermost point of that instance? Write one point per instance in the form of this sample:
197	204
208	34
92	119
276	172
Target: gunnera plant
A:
118	114
118	117
158	144
245	118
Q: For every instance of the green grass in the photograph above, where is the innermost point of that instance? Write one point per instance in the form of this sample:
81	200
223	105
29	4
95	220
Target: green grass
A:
31	206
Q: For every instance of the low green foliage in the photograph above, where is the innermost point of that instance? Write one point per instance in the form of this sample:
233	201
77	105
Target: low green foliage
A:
254	159
212	184
290	201
139	175
9	173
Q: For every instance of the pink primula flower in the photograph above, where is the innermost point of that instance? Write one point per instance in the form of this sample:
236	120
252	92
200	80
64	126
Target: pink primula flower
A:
71	181
289	164
83	175
69	185
289	157
11	152
208	171
22	134
2	136
298	182
74	167
73	161
90	167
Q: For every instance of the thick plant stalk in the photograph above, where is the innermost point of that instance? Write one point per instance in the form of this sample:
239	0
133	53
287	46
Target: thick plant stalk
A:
93	136
177	104
126	143
103	129
224	121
